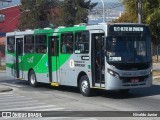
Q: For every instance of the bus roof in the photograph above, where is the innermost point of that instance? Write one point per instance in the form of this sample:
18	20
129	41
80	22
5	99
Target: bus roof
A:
69	29
18	33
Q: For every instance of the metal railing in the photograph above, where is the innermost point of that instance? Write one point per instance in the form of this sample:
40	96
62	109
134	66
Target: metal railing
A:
155	53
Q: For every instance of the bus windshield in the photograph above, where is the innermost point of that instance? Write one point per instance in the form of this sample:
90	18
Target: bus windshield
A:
128	48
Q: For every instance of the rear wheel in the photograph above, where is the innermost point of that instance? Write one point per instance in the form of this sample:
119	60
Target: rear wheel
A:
84	86
33	79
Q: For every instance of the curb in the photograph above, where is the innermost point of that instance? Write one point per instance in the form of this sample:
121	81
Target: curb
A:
6	90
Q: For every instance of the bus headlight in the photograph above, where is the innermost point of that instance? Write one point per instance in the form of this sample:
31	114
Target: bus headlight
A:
114	74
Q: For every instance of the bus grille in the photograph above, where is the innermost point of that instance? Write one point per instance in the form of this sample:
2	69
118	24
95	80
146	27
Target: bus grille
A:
129	79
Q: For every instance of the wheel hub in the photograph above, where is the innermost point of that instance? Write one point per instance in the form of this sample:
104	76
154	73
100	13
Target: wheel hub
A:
33	79
84	86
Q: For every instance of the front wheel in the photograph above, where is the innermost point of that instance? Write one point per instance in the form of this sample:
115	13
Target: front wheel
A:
32	79
84	86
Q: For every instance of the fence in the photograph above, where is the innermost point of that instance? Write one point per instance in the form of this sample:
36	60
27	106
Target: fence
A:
155	50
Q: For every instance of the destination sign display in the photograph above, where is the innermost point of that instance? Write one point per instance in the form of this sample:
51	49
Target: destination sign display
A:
128	29
116	29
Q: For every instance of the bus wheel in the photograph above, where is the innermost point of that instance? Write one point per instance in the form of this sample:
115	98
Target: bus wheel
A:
84	86
32	78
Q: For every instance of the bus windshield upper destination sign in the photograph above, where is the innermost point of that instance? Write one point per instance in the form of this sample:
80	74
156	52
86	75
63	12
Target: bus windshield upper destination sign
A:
130	29
127	29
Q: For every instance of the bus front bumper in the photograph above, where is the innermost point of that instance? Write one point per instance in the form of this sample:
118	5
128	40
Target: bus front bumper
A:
113	83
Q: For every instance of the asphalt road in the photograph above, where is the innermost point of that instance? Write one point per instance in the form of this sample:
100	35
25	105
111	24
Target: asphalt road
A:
47	98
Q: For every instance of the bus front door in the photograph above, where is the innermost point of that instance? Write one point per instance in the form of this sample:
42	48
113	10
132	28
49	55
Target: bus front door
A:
19	58
98	63
53	59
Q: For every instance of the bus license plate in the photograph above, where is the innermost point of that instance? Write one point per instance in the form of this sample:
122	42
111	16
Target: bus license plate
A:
134	80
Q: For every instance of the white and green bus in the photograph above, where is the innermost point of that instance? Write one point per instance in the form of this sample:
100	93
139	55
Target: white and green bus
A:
103	56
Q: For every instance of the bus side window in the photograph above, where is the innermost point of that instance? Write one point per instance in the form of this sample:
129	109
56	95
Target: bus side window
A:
41	44
11	44
67	43
29	44
82	42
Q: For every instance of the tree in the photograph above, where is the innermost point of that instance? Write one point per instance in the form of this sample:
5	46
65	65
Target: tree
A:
150	15
45	13
34	13
73	12
153	19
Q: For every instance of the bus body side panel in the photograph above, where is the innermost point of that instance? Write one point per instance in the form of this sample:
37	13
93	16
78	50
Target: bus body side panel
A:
71	65
10	69
72	68
41	68
10	57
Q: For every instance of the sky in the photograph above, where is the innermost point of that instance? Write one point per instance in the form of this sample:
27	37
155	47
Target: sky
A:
15	2
105	0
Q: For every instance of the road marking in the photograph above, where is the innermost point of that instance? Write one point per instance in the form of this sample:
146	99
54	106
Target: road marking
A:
19	102
29	108
11	97
21	105
13	85
16	102
8	94
50	109
10	100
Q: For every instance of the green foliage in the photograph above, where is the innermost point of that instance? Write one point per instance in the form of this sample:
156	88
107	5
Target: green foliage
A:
150	15
45	13
2	67
73	12
34	13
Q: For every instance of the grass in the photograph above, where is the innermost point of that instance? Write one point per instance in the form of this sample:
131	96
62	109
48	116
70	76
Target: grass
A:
157	79
2	67
156	72
154	58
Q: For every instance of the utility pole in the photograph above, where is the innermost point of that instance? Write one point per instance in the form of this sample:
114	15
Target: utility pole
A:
139	11
104	17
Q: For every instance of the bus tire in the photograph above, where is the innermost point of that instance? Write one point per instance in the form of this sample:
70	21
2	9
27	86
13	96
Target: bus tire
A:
84	86
32	79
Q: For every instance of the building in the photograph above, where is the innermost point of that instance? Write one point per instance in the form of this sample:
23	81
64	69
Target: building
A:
8	22
11	19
